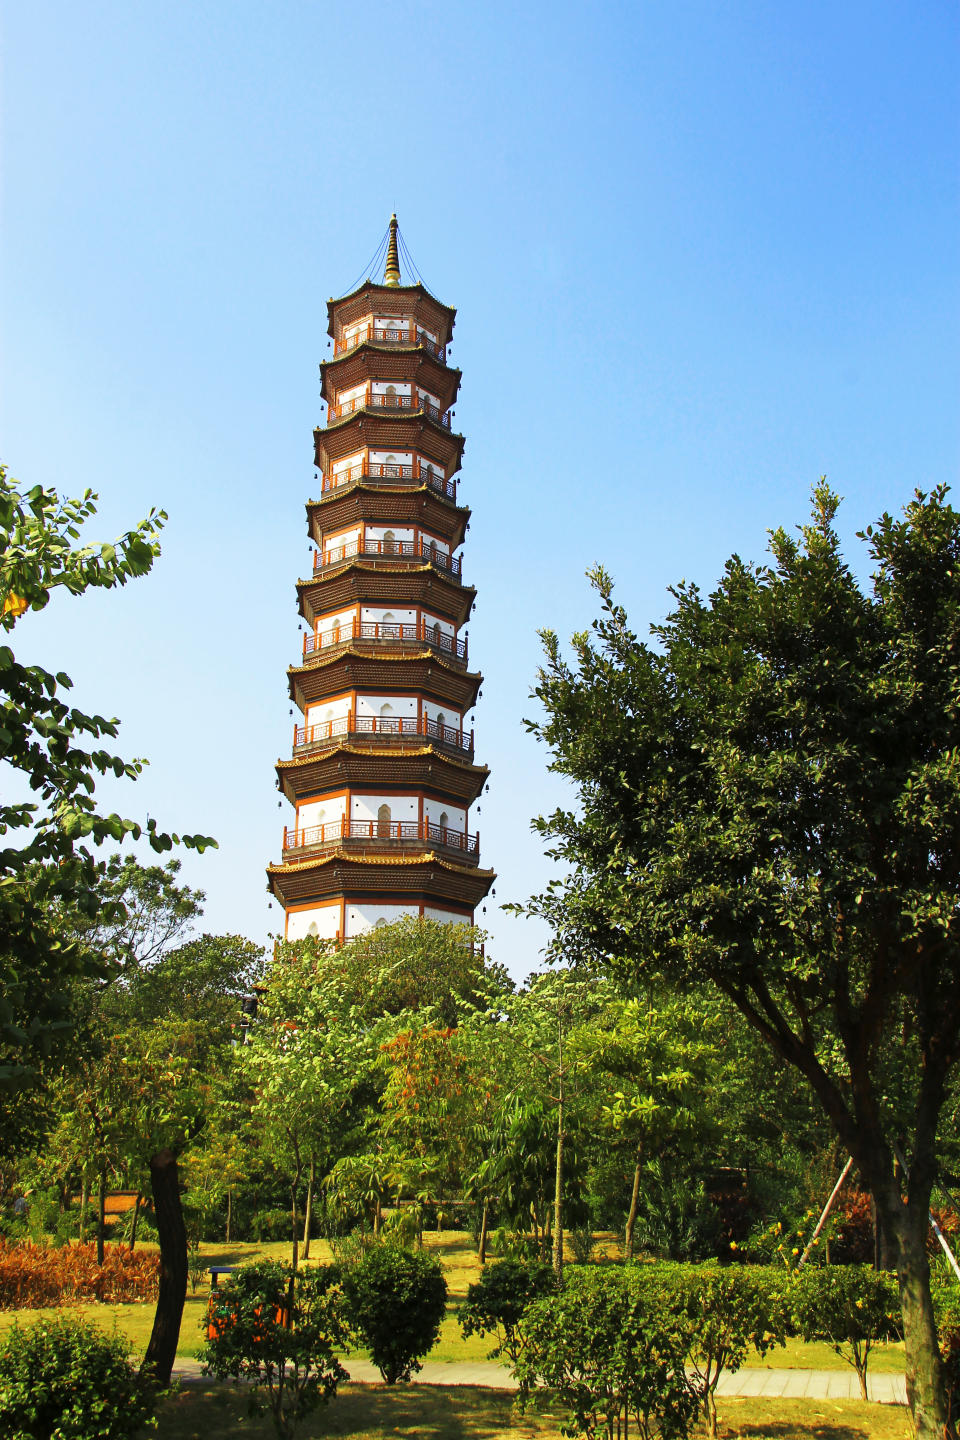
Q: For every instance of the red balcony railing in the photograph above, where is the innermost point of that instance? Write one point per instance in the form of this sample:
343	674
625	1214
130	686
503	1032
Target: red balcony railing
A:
367	471
326	732
390	335
376	400
389	632
335	832
419	549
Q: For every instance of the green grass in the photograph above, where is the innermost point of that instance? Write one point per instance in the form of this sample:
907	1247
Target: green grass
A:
456	1252
887	1359
440	1412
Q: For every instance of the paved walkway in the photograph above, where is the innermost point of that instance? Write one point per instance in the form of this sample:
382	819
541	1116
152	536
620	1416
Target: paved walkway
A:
771	1384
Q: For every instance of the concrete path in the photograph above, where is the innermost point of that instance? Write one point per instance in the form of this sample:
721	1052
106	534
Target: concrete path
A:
771	1384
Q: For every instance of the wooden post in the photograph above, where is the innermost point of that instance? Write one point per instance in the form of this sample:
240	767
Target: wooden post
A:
826	1211
136	1217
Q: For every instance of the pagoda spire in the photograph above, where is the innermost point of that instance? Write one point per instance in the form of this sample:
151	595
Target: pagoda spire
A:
382	775
391	274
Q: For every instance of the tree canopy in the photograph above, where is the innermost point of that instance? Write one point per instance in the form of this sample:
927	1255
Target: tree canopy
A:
769	799
57	750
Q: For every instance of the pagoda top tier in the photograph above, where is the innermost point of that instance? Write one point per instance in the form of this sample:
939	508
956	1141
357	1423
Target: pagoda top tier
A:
390	300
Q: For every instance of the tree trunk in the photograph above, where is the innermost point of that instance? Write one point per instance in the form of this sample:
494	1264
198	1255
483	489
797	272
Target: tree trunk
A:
172	1233
136	1218
101	1212
558	1184
229	1215
294	1227
634	1207
308	1217
84	1202
905	1225
482	1244
294	1187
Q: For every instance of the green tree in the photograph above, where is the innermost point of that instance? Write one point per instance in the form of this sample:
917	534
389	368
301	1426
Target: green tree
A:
534	1163
414	964
312	1065
44	738
769	798
649	1068
139	1086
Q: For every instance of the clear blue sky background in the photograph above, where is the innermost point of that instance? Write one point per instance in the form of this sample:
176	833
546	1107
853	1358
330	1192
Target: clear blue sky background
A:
702	253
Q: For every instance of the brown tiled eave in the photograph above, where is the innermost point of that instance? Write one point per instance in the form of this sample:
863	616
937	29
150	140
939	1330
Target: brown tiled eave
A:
391	420
422	766
410	505
423	878
356	582
388	675
370	649
391	363
378	430
393	300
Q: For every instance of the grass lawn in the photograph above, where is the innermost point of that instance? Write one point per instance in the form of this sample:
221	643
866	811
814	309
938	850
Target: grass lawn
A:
458	1257
374	1412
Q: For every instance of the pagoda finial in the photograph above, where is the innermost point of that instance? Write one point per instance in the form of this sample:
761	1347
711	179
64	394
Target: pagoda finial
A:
391	275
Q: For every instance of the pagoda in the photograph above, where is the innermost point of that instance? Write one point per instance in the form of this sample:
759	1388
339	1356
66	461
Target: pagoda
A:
382	773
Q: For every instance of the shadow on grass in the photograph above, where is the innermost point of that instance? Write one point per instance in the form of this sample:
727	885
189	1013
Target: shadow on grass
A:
789	1432
363	1412
743	1418
472	1412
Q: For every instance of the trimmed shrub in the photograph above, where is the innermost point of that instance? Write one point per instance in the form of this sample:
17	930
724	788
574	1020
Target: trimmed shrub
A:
497	1302
850	1306
611	1357
35	1275
279	1328
396	1301
946	1307
727	1311
62	1379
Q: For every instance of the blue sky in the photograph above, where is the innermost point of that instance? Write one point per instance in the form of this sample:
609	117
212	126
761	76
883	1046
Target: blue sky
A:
701	254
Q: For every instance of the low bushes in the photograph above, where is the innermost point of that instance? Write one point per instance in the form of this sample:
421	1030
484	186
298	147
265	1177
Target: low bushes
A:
726	1313
34	1275
849	1306
946	1305
66	1379
282	1328
396	1300
611	1358
497	1302
279	1329
645	1345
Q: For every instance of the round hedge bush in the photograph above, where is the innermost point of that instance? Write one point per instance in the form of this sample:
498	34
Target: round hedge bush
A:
62	1379
396	1300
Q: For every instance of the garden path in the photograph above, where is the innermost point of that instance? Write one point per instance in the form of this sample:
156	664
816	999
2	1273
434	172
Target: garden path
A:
770	1383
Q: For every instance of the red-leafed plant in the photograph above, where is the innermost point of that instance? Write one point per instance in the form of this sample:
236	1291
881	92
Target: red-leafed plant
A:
33	1275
